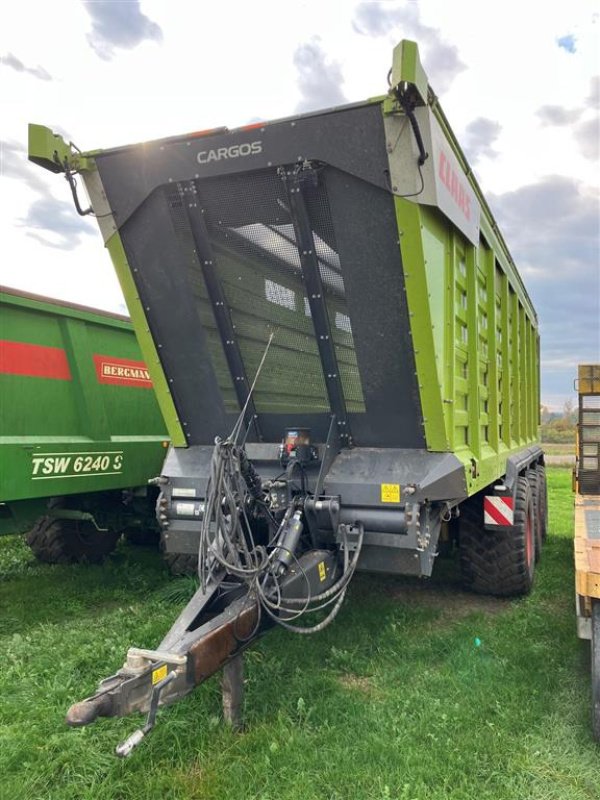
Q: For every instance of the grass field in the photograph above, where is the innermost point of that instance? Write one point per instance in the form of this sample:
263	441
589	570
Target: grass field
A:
416	691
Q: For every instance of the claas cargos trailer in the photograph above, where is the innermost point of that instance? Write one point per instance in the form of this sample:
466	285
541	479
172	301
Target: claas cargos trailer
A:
586	484
80	430
346	359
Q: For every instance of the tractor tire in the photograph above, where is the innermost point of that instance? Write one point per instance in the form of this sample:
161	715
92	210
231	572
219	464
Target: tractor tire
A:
70	541
501	562
179	563
543	489
536	496
596	669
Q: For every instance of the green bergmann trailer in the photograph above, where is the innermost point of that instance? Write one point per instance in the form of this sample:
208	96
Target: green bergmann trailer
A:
80	429
346	359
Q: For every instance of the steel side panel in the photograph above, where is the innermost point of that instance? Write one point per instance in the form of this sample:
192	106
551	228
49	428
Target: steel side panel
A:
359	475
139	461
72	411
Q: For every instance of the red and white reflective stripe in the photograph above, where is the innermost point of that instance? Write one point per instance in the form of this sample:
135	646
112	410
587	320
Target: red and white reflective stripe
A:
498	510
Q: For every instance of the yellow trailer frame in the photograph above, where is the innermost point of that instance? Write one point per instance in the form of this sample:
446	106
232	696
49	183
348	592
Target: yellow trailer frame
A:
586	483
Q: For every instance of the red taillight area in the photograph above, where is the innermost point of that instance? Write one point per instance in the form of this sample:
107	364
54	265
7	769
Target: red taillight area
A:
206	132
252	127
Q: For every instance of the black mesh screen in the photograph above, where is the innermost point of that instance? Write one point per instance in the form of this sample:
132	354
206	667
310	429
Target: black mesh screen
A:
176	200
335	295
258	265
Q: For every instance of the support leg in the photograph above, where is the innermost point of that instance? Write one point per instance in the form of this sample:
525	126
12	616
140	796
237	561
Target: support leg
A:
233	692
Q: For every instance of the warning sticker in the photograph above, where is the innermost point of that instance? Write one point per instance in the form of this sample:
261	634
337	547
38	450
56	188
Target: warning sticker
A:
322	571
390	492
159	674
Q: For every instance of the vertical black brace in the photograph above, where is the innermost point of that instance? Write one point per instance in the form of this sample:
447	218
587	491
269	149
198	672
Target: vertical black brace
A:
195	214
294	182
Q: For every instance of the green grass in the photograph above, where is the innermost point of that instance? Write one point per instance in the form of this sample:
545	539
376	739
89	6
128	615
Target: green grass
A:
416	691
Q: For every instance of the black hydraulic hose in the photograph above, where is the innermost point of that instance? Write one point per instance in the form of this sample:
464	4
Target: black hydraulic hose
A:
250	475
73	186
410	113
342	581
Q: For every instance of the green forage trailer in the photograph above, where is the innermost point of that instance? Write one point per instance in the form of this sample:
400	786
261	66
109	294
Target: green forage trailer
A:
346	359
80	430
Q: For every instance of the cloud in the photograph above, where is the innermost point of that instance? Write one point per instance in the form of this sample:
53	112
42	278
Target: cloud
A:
372	19
593	99
59	225
586	131
567	43
319	79
10	60
558	115
552	228
440	59
587	136
480	134
119	24
14	164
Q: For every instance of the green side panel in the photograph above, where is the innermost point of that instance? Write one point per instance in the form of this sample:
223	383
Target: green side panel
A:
423	333
44	467
146	343
65	427
435	245
475	345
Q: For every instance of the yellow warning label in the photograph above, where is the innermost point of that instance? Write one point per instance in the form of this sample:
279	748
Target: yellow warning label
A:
322	571
159	674
390	492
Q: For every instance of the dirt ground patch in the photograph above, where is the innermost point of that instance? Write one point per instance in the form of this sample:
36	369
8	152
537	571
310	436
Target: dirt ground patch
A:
449	600
357	683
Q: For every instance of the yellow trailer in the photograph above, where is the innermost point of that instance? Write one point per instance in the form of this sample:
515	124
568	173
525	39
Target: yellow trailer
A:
586	484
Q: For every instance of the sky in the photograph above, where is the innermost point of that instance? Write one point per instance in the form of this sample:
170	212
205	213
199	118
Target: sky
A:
519	82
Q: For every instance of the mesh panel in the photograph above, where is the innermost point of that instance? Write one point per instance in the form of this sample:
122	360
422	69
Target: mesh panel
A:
335	296
186	242
258	266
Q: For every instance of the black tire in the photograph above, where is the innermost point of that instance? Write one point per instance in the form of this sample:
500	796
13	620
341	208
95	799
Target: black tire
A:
536	496
596	669
543	488
70	541
179	563
501	562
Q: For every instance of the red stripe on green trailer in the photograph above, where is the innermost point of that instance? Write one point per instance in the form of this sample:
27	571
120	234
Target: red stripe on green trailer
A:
34	360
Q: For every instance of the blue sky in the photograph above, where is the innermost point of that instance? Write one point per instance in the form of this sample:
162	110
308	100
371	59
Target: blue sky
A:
518	81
